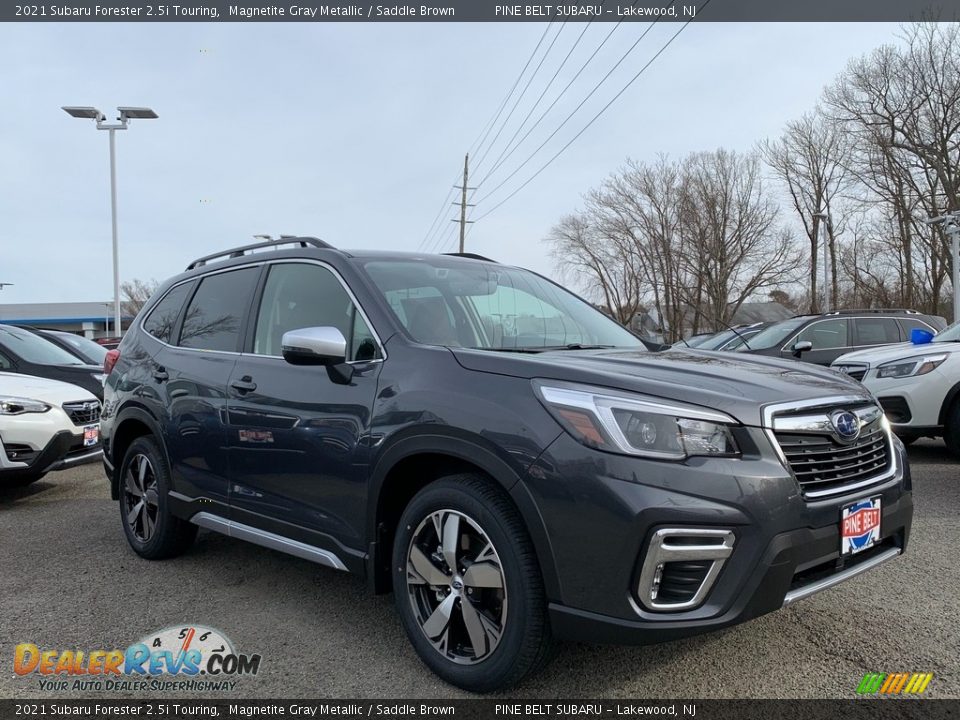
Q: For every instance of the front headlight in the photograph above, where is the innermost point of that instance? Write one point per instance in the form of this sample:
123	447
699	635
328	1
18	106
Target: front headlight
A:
910	367
19	406
637	425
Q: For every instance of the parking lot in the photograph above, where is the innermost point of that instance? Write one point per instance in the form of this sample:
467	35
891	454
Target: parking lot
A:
69	581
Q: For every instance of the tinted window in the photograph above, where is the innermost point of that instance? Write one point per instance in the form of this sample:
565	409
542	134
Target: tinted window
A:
163	318
909	324
300	295
35	349
214	316
85	349
826	334
877	331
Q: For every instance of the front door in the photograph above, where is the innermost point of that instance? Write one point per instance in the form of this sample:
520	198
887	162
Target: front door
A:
830	339
299	442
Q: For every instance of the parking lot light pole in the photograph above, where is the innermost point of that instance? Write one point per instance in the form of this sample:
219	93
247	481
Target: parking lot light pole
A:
126	114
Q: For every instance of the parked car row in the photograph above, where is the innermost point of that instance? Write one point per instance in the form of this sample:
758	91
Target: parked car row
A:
51	388
909	360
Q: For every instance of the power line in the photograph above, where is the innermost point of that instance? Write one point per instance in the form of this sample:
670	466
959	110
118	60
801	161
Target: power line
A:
522	92
595	117
575	111
485	132
501	159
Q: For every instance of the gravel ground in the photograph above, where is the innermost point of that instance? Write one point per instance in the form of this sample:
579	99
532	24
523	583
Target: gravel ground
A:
68	580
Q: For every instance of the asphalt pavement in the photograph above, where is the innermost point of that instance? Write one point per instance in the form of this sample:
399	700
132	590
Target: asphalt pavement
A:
68	580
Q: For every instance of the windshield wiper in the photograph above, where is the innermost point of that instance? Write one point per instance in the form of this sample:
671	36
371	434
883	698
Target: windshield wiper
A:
545	348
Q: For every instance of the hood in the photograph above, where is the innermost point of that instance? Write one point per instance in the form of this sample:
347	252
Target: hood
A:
887	353
52	392
733	383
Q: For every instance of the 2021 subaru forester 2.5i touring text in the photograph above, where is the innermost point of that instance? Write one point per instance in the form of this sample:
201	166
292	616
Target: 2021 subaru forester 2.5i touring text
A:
510	462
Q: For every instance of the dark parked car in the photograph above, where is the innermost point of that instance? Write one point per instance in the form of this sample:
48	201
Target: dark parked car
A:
23	351
512	463
821	339
82	348
733	338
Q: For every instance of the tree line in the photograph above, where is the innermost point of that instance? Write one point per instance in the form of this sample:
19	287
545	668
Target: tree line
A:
851	181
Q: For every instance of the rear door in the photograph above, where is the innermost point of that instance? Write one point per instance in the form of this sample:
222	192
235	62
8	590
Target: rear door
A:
299	442
872	331
192	375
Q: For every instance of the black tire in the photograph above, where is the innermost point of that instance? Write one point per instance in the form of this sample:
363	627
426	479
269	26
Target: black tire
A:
153	532
524	643
951	429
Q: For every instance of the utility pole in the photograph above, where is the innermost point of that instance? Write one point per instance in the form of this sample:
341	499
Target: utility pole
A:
463	202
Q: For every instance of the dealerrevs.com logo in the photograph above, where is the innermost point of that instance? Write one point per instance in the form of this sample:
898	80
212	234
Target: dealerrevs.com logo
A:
188	657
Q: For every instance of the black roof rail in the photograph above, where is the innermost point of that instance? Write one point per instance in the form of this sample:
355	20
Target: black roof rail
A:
471	256
244	249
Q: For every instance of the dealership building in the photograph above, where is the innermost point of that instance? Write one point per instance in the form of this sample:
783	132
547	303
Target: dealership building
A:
90	319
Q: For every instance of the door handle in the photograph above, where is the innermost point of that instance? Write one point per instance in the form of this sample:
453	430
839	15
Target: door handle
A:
160	374
244	384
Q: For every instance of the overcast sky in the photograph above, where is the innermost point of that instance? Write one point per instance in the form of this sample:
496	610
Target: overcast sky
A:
351	132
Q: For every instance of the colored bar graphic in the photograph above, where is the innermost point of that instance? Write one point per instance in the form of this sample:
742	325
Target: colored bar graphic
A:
894	683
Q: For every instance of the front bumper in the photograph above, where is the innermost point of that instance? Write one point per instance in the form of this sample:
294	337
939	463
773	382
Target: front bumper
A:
64	450
601	514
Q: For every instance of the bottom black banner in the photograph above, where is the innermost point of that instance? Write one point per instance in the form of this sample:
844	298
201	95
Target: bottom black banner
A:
486	709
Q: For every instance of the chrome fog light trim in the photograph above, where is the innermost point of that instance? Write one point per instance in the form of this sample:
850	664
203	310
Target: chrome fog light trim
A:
716	546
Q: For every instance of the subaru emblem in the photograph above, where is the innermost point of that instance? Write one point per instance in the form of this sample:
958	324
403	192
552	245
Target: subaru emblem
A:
846	424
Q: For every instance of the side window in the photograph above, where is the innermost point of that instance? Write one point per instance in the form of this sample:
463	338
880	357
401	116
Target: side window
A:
5	363
877	331
215	314
909	324
301	295
163	318
826	334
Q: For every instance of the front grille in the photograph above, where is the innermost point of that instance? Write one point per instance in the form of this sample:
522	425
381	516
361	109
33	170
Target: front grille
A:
83	413
857	374
822	464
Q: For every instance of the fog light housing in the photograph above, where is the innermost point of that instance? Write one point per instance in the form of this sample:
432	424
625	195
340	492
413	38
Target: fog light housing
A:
680	567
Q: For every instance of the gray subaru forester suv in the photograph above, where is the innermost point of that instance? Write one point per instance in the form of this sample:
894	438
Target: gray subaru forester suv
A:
512	464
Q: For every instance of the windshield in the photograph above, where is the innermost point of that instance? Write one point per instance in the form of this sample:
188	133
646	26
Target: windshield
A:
949	334
33	348
456	303
774	334
86	349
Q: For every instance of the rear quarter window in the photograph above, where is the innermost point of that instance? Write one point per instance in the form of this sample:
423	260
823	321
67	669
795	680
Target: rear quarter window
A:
162	320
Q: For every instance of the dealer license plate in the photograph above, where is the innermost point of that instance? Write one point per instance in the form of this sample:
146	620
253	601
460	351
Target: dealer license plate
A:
91	435
859	526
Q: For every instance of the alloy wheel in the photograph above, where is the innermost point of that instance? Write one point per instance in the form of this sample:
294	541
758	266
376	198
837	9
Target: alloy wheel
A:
141	497
456	586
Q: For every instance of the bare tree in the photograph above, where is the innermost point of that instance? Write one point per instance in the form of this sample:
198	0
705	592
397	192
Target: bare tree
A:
135	294
809	160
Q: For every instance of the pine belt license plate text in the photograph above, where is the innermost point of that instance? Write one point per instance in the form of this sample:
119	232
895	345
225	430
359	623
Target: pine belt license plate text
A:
859	526
91	435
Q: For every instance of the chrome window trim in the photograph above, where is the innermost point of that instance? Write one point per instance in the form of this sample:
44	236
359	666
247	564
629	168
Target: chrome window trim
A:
199	278
353	299
262	263
770	411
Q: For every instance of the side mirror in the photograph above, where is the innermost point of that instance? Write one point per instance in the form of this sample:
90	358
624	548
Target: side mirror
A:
314	346
799	348
919	336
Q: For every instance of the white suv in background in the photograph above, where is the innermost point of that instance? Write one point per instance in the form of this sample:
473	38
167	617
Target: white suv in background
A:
918	386
44	425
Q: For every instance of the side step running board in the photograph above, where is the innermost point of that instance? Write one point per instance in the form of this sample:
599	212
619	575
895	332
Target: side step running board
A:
268	540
